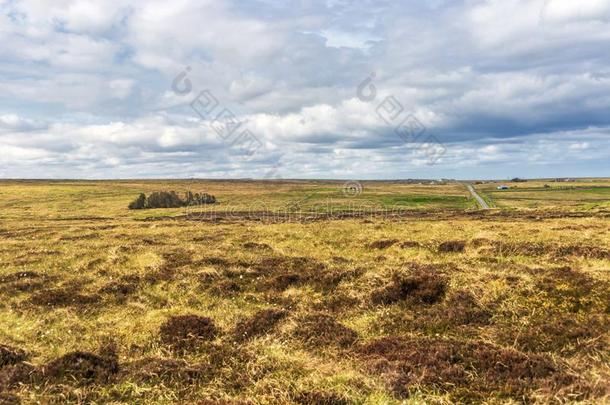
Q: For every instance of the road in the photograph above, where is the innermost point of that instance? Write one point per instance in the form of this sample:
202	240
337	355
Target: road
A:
477	197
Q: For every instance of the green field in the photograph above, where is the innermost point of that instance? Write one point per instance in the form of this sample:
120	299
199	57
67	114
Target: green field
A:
582	193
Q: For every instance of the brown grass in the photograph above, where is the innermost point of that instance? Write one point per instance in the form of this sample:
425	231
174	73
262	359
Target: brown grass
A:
319	330
187	332
426	287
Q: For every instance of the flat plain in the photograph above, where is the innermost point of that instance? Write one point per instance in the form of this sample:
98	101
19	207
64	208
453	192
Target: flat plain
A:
305	292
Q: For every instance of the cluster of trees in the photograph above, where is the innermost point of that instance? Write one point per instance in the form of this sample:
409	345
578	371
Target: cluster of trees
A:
170	199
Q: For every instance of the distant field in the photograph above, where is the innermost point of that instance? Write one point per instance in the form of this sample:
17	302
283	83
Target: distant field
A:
585	194
444	304
110	198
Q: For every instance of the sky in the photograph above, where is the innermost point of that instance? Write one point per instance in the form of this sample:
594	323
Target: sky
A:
466	89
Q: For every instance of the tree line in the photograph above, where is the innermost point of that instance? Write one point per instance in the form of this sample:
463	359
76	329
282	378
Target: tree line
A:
170	199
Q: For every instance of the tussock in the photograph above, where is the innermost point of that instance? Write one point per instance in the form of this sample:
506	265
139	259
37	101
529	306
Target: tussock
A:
319	330
424	287
187	332
259	324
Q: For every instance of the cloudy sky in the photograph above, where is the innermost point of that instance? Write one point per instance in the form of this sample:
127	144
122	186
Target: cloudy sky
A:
304	89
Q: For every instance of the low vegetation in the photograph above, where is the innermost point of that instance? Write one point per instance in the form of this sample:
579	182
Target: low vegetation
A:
108	305
170	199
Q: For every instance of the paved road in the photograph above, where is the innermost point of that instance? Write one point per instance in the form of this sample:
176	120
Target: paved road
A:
477	197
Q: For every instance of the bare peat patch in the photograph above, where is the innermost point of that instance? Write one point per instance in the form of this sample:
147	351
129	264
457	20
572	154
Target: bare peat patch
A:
12	375
469	370
319	330
257	246
63	297
19	276
122	288
423	286
259	324
383	244
11	355
187	332
452	246
408	244
81	367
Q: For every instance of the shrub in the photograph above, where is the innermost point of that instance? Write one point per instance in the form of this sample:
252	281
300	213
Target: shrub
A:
139	203
170	199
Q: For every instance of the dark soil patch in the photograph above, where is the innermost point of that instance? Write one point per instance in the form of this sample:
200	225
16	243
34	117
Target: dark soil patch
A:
453	246
283	281
280	273
425	287
409	244
214	261
260	324
23	281
178	258
464	368
19	276
383	244
13	375
63	297
187	332
463	309
460	309
24	286
225	287
257	246
285	264
11	355
330	279
121	288
81	367
588	252
318	330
